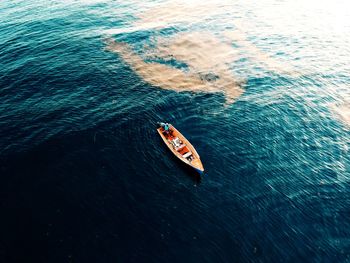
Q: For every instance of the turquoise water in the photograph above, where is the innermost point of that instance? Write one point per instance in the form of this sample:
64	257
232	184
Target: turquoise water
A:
260	89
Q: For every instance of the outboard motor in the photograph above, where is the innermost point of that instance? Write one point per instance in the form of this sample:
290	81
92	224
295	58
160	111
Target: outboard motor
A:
161	124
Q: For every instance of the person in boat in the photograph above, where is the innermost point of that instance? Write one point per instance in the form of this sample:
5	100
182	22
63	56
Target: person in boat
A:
166	127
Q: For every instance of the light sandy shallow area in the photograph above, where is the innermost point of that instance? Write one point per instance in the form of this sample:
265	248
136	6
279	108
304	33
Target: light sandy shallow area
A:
210	59
342	112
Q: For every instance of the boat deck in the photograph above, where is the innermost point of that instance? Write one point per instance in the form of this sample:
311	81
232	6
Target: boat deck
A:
181	147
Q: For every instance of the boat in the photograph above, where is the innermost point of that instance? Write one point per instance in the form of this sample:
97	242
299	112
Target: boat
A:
180	146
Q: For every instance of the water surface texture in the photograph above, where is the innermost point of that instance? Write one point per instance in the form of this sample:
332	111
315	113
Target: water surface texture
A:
260	88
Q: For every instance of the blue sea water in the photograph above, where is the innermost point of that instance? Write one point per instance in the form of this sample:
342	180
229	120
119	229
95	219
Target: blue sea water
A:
86	178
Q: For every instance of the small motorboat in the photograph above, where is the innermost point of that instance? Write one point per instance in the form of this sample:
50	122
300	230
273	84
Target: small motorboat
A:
180	146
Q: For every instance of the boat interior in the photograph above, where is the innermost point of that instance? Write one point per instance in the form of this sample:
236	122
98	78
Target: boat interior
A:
178	144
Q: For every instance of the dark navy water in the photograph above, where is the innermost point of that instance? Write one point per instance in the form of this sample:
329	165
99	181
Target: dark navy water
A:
84	176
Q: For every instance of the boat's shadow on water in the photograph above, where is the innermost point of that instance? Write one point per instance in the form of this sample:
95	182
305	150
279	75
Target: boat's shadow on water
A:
190	172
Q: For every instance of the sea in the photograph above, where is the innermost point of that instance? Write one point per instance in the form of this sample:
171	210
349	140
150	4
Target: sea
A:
260	88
